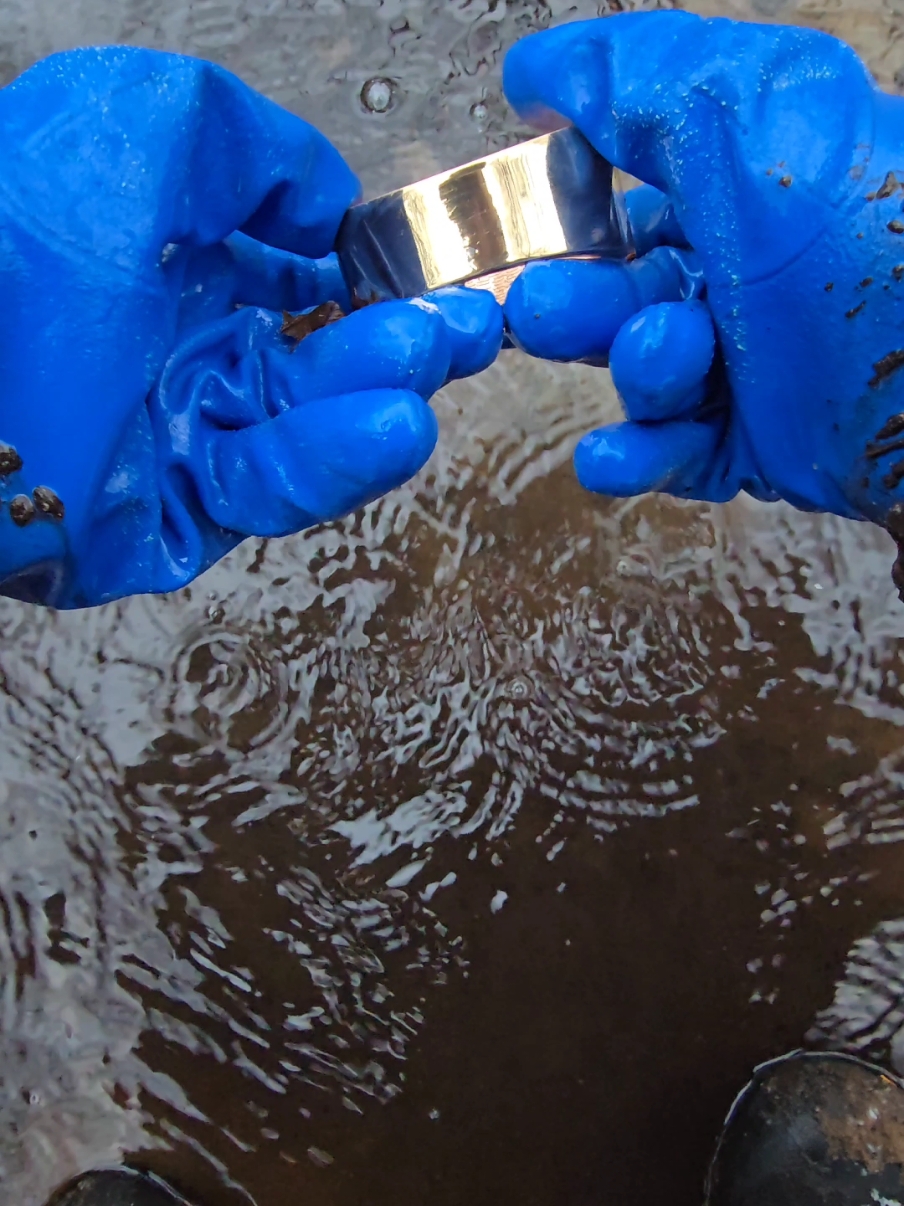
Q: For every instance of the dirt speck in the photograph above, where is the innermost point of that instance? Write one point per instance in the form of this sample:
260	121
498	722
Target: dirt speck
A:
830	285
785	182
883	369
891	427
358	303
889	185
896	226
299	326
893	478
866	282
894	527
22	510
855	310
48	502
10	461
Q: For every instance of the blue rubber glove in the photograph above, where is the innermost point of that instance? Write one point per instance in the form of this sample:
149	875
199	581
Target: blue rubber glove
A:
782	165
154	213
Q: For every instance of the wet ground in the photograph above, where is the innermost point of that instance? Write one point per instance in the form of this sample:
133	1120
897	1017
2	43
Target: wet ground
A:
472	849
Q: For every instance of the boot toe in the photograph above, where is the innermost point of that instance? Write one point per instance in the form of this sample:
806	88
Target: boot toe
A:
812	1129
118	1187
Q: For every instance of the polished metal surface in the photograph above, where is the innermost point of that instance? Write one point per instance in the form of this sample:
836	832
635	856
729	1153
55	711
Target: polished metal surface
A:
551	196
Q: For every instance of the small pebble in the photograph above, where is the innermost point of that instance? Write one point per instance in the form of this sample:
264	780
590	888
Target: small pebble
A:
10	461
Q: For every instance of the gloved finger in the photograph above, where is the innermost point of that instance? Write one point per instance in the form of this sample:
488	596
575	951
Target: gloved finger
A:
625	459
475	325
274	177
417	345
660	360
391	345
241	370
660	96
652	220
213	281
244	272
599	74
573	309
315	462
213	155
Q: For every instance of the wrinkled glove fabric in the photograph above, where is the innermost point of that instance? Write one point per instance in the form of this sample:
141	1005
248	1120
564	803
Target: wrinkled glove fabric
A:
156	219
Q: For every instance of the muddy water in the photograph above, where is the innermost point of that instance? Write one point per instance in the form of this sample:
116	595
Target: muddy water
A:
471	849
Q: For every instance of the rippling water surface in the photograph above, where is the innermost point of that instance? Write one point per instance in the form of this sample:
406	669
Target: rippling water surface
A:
475	847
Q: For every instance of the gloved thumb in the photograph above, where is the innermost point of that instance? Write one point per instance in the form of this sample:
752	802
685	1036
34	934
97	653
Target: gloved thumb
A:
625	459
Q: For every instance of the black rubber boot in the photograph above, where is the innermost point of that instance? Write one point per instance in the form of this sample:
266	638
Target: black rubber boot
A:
812	1130
118	1187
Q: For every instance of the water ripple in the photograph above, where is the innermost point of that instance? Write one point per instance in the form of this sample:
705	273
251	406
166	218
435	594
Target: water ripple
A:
249	832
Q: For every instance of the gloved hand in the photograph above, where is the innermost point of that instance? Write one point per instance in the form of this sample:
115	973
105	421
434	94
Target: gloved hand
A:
147	424
782	165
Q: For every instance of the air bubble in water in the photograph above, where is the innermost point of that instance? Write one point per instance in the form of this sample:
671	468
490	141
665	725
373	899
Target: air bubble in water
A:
377	95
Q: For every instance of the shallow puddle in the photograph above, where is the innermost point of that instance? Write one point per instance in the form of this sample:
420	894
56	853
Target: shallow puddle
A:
474	848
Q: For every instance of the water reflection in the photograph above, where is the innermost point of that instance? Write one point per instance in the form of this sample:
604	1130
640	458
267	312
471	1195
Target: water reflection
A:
450	828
